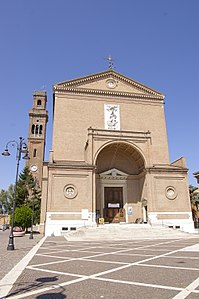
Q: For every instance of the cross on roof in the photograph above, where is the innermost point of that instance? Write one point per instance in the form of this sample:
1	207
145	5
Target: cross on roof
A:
110	61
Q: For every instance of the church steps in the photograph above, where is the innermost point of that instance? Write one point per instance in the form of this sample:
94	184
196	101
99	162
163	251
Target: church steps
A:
124	232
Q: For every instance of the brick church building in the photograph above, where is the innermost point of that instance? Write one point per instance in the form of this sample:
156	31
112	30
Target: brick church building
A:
109	156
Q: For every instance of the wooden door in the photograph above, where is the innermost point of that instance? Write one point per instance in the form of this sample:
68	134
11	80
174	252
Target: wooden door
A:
113	203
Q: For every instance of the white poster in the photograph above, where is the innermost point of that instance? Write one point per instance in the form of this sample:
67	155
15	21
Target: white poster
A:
85	214
112	117
130	211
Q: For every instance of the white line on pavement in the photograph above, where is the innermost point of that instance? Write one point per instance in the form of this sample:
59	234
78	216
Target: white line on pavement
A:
186	292
7	282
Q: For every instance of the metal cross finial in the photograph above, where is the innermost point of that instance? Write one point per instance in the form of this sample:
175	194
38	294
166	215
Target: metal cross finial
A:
110	61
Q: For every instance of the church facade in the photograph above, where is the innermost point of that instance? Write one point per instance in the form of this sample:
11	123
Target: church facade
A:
109	159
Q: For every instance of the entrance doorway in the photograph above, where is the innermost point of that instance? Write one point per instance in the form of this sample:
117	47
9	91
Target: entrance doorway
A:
113	204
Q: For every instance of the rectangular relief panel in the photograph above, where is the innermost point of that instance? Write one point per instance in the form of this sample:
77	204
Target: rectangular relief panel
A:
112	117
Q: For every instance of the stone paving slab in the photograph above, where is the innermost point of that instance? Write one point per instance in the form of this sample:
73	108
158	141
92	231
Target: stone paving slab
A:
118	269
30	281
37	260
156	276
70	254
119	258
193	296
79	267
191	254
182	262
8	259
91	289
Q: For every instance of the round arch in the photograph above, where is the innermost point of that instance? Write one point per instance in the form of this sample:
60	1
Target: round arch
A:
120	182
121	155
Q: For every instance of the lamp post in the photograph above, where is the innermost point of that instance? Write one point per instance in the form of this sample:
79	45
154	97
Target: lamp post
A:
33	194
21	149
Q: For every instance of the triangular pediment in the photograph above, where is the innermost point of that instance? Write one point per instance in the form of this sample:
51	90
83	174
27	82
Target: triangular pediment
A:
114	172
108	83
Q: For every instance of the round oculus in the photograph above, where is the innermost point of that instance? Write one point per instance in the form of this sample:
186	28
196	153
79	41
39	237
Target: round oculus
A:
33	167
171	192
70	191
111	83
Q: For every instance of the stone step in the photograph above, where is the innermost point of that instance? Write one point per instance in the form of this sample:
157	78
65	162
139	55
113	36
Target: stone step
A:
124	232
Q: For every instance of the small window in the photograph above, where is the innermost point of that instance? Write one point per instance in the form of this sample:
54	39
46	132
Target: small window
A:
39	103
64	228
35	152
73	228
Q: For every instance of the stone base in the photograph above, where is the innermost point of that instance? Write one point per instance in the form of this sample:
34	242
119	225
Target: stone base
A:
178	220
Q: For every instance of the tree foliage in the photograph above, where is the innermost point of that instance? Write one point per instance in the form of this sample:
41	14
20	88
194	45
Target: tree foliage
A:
28	195
194	194
3	199
6	200
24	184
23	217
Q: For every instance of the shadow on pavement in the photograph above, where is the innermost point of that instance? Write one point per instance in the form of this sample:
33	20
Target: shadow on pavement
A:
39	282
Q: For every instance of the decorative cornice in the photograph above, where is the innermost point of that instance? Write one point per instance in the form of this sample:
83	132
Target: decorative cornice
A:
72	87
121	134
38	114
66	165
166	168
111	93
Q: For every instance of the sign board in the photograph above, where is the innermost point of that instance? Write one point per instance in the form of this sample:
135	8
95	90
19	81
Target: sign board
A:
113	205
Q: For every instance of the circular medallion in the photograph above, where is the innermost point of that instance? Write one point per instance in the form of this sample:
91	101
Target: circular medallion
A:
111	83
171	192
33	168
70	191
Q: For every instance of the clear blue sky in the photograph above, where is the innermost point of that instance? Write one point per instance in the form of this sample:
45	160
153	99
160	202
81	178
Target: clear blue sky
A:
155	42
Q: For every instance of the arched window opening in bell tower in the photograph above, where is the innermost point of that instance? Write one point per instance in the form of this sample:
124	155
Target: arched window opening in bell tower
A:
34	153
38	102
33	129
40	129
36	130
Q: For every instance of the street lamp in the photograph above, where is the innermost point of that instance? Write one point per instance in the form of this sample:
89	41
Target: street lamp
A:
33	194
21	149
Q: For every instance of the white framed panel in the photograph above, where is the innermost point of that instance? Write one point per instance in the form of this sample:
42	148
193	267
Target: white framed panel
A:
111	117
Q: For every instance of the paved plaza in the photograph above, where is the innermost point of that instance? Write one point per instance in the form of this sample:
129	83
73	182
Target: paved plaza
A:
140	268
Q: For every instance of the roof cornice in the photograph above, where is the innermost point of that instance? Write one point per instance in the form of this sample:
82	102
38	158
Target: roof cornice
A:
72	86
146	97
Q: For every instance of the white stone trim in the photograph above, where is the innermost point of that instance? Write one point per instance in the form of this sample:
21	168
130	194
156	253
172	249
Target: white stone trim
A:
162	213
186	225
54	227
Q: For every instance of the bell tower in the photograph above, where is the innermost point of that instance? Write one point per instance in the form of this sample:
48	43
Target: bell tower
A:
38	118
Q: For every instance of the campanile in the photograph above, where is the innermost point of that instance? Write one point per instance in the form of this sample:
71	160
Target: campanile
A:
38	118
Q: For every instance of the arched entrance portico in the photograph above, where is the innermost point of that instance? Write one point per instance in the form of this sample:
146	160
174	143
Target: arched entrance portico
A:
120	183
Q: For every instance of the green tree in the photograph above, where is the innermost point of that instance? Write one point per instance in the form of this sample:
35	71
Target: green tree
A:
24	184
35	201
6	200
3	200
23	217
194	195
27	194
10	197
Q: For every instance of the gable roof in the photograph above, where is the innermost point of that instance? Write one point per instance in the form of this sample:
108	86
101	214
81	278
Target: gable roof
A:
108	83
